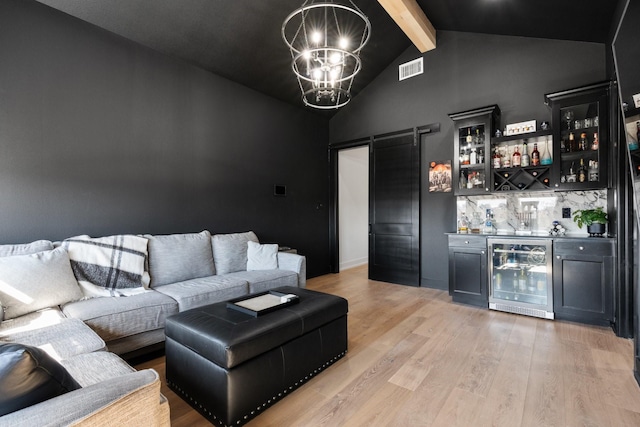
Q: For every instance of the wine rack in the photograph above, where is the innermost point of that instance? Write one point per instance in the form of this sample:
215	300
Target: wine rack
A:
529	178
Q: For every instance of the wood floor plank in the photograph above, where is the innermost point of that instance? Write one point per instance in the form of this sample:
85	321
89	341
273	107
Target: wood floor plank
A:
417	359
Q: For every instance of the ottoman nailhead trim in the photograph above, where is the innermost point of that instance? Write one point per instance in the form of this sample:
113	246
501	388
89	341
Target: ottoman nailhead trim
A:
252	414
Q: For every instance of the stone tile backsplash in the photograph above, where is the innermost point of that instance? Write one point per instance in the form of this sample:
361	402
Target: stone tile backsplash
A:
526	212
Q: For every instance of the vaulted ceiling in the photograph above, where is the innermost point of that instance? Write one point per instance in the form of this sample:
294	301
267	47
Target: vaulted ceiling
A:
240	39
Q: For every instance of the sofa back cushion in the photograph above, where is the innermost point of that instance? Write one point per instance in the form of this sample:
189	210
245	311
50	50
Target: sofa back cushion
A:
25	248
28	375
109	266
30	283
230	251
179	257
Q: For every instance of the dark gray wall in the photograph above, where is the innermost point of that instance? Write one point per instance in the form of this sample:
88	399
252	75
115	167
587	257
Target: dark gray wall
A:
100	136
465	71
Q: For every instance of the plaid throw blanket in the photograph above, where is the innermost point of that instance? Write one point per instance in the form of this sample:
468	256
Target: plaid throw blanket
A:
108	266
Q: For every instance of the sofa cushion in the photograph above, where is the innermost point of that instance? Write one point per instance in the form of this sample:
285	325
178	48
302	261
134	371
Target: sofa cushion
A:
230	251
92	368
60	337
28	376
32	282
117	317
25	248
264	280
261	257
177	257
205	290
109	266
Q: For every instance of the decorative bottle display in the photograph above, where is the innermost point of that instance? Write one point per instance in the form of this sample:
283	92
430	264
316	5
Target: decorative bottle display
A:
582	171
535	155
525	160
516	158
546	157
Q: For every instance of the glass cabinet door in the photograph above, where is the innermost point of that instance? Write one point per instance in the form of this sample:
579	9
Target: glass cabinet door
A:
521	277
581	123
472	139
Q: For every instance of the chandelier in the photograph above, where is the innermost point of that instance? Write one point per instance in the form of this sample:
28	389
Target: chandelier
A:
325	39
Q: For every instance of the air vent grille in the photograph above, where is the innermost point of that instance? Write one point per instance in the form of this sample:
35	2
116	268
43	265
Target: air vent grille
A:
410	69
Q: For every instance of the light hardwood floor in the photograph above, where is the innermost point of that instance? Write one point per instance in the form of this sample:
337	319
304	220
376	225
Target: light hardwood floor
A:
417	359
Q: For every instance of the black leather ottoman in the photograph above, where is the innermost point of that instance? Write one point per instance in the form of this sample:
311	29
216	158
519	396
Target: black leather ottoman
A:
230	366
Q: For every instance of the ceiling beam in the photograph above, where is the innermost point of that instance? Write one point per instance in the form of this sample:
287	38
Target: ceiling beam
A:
412	20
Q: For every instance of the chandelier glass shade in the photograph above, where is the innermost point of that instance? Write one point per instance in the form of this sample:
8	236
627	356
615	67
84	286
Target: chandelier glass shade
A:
325	39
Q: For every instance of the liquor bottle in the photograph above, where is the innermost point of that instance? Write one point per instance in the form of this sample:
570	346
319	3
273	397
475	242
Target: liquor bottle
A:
463	180
582	145
495	158
546	156
506	159
563	146
516	158
572	143
525	160
593	170
469	137
535	155
477	138
465	157
473	157
582	171
595	144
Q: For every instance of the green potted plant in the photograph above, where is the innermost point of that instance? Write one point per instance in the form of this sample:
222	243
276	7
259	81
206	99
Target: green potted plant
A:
595	220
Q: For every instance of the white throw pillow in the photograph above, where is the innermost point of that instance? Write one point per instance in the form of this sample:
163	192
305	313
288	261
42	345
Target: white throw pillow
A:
261	257
30	283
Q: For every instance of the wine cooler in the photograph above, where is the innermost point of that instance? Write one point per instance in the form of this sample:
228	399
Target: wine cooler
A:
521	277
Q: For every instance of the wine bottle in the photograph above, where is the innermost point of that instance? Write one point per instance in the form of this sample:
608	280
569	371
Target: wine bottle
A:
582	171
516	158
469	137
535	155
525	160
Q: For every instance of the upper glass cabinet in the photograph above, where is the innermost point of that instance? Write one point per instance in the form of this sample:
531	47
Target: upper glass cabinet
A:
472	141
580	120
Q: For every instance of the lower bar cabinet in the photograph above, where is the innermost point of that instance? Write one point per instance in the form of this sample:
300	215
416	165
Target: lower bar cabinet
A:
583	279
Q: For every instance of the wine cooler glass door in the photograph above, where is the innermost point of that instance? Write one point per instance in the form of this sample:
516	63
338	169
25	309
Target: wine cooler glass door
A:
521	277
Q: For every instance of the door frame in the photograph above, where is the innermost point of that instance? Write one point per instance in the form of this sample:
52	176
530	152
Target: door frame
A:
334	239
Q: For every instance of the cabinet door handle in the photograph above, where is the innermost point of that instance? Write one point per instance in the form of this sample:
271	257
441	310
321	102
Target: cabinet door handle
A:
482	252
581	248
557	256
466	242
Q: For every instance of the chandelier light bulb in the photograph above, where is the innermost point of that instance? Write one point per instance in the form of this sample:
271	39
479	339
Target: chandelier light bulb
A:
317	73
316	37
335	58
306	54
343	43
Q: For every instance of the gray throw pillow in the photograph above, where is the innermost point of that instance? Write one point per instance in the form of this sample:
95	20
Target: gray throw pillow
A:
30	283
25	248
230	251
178	257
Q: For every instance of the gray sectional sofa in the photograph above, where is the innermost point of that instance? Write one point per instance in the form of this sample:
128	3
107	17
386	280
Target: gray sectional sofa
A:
88	301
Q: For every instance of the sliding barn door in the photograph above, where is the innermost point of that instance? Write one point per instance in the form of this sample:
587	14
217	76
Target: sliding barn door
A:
394	209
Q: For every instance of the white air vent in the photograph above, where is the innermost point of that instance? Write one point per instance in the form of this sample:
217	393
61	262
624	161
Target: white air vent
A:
410	69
